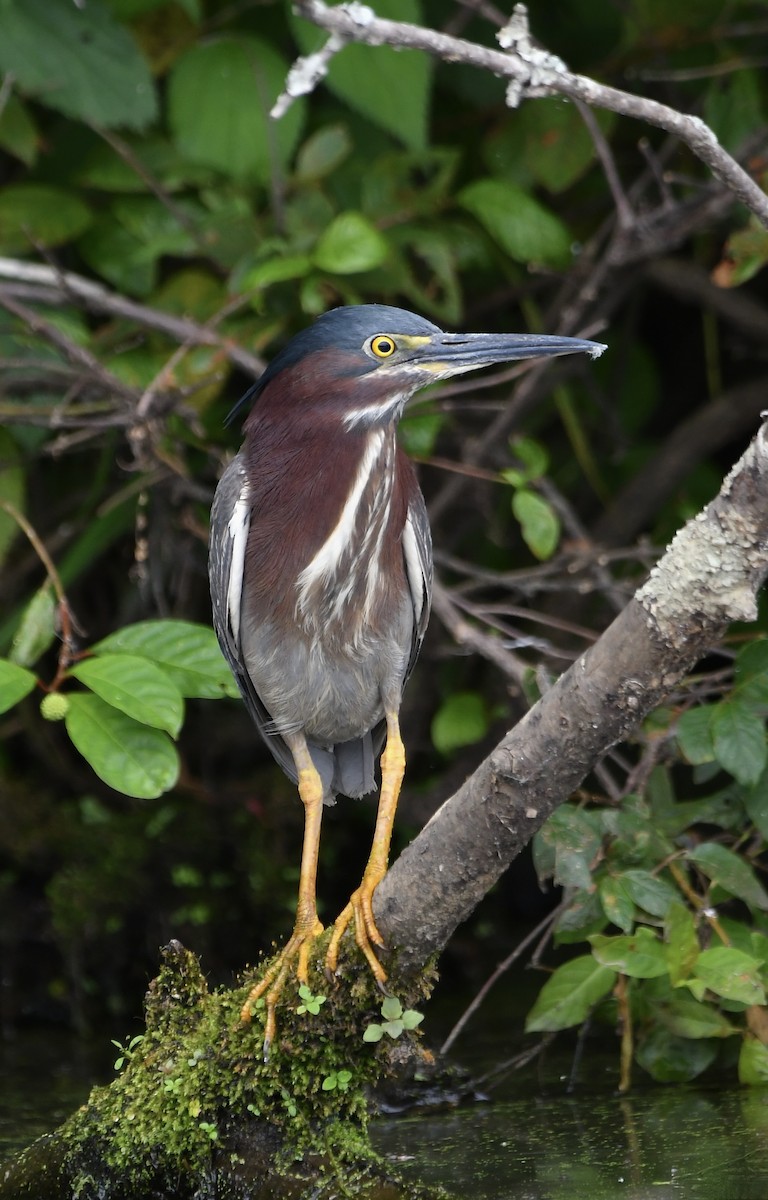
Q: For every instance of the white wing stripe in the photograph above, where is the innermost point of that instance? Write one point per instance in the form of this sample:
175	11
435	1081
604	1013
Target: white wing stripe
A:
413	567
237	528
325	561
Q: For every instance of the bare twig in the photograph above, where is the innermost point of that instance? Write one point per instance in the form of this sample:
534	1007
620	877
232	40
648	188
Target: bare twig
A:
533	72
466	634
543	928
77	355
67	649
46	285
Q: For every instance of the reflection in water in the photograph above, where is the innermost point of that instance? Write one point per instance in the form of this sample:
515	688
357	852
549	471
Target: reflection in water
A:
660	1144
535	1143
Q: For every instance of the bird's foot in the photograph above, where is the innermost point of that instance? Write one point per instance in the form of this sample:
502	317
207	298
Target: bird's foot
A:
295	955
359	909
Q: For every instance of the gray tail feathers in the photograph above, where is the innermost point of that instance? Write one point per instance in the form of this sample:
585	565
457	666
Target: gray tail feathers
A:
346	769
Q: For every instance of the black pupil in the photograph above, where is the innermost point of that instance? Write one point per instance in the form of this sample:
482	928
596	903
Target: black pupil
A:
384	346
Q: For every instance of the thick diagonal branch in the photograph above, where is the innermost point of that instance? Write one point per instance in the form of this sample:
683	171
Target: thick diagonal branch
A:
709	576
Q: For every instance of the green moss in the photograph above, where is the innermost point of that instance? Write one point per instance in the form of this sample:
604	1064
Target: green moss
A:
196	1097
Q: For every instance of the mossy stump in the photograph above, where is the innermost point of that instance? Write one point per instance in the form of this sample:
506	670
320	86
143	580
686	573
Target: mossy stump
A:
197	1112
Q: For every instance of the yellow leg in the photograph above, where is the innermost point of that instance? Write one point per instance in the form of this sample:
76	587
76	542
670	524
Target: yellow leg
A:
360	907
307	925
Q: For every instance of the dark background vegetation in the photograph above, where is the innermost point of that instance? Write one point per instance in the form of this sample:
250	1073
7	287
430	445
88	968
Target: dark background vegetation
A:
135	153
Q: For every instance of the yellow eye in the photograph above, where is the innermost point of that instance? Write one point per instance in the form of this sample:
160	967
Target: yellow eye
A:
383	346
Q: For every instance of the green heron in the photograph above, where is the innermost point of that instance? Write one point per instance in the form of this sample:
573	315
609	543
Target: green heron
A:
321	571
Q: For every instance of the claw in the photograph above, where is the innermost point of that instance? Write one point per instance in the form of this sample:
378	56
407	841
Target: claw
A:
366	933
360	905
272	982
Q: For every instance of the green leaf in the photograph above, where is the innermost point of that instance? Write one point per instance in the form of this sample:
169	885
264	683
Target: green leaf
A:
373	1033
557	147
756	804
15	683
136	686
671	1059
351	243
685	1017
682	943
389	87
391	1009
575	836
418	432
739	740
131	758
276	270
694	735
461	720
731	973
36	630
11	488
584	915
18	133
539	522
34	214
650	893
640	956
393	1029
731	872
618	905
733	107
219	96
411	1018
753	1062
325	150
188	653
546	142
519	223
569	995
751	684
77	60
533	456
631	833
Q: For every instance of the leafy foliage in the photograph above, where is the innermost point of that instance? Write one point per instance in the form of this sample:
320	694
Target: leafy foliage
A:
396	1020
681	881
168	238
124	725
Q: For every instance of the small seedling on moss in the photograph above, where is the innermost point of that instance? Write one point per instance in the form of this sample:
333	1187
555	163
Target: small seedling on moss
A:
126	1052
395	1021
209	1128
311	1003
337	1081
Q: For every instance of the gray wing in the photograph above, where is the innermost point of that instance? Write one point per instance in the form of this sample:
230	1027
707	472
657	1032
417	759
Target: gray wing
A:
230	525
417	556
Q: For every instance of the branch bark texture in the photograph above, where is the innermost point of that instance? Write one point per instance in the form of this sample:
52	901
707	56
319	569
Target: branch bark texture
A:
709	576
532	72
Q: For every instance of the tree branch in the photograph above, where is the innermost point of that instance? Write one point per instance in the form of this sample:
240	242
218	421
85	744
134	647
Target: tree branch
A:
45	285
534	72
709	576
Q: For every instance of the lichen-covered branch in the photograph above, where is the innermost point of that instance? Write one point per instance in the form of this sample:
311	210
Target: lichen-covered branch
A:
709	576
533	71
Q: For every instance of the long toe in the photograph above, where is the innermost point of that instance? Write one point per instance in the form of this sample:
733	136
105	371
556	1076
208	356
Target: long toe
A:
359	910
294	957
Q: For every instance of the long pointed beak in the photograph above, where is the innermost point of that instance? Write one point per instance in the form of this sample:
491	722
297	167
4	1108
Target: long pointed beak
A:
451	353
